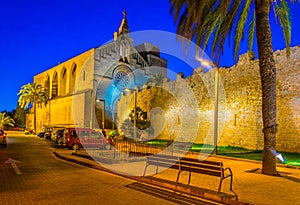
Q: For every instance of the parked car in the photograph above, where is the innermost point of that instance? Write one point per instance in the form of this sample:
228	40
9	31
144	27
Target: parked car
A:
41	134
63	140
57	135
3	138
48	132
28	132
84	137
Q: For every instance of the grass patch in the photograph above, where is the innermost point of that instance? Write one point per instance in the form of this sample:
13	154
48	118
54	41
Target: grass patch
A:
220	149
239	152
290	158
255	155
230	151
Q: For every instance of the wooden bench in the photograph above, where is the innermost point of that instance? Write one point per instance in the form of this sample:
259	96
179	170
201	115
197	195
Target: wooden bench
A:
139	154
191	165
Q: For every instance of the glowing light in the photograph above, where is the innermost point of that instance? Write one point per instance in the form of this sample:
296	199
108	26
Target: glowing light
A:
280	157
205	63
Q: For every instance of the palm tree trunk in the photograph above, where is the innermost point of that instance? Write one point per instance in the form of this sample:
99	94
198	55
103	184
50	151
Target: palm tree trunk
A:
268	83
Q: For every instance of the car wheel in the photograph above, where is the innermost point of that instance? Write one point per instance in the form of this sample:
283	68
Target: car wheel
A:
107	146
75	146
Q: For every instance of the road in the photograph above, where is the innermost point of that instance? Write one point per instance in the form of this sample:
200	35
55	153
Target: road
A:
44	179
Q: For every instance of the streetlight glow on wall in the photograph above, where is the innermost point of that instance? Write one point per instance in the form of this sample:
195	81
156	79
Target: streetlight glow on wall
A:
134	109
207	63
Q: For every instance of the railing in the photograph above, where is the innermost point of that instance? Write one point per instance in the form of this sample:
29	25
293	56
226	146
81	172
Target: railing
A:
127	150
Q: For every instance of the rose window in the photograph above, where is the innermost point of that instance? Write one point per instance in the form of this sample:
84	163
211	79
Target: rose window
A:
121	80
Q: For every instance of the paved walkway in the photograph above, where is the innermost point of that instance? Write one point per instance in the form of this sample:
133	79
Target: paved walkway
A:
248	183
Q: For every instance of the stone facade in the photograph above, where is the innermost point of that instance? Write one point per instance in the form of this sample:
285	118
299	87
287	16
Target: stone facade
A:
62	85
240	104
77	86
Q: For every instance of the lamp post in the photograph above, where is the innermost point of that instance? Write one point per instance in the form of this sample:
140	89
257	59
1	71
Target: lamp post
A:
103	111
207	63
134	109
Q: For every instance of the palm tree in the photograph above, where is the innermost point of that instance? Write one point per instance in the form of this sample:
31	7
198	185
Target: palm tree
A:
215	21
6	120
34	94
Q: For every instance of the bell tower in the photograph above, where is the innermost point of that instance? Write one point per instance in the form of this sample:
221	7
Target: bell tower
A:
124	28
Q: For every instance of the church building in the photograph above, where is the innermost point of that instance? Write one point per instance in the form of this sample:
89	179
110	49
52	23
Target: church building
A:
84	90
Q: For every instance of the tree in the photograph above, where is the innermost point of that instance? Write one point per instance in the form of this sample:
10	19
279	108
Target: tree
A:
5	120
19	117
34	94
215	21
141	118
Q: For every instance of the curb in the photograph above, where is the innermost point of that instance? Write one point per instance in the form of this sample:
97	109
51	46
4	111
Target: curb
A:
190	190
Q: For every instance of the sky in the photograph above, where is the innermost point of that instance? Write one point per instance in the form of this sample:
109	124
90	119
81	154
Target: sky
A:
36	35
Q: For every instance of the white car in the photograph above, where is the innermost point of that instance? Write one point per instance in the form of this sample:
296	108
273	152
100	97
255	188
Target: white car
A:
3	138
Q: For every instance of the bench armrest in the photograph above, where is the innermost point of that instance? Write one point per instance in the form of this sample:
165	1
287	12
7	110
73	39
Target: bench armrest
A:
230	172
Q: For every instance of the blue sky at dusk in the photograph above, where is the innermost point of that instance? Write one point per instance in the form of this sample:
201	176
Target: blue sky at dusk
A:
36	35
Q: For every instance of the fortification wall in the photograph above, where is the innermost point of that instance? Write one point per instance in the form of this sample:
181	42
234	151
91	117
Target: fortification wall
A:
240	104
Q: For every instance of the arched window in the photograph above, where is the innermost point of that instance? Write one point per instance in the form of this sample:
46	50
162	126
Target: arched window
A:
125	52
54	85
47	85
73	78
121	50
63	81
128	53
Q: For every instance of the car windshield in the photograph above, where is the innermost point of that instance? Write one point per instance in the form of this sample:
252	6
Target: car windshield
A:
84	134
74	133
96	135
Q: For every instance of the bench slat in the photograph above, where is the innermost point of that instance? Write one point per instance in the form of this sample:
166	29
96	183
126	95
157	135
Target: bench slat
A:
160	156
163	160
201	161
162	164
201	171
200	166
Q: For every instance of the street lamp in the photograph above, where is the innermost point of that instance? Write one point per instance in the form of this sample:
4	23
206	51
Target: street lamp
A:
134	109
103	111
207	63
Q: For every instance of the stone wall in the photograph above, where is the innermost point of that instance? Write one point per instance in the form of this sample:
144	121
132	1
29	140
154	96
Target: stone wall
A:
75	100
240	104
68	111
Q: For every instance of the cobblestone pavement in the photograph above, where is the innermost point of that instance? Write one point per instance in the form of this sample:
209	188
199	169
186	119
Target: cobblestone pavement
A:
250	185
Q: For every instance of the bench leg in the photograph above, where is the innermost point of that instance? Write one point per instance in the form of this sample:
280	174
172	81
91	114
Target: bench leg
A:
220	185
231	183
189	178
145	169
178	174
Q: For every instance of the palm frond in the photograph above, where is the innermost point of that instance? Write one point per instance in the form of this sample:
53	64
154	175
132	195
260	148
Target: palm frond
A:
32	93
283	13
240	27
225	29
213	22
251	32
6	119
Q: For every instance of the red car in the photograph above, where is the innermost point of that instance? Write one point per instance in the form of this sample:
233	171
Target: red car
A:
86	138
3	138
